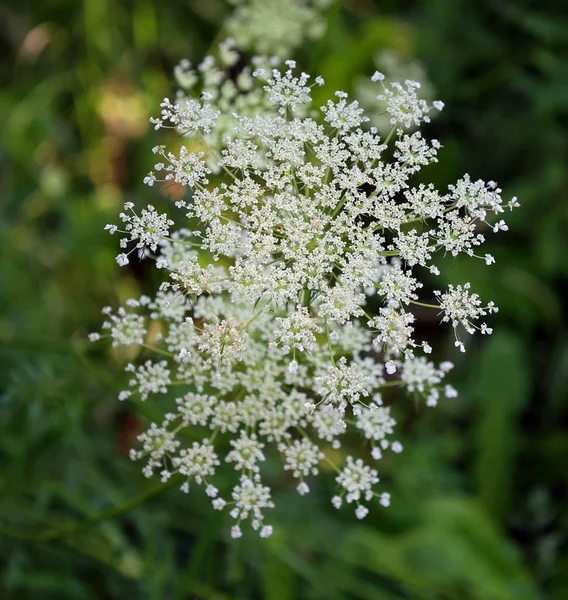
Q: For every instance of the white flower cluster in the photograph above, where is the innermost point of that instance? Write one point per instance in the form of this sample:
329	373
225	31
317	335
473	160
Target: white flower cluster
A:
265	338
396	67
271	27
147	229
209	97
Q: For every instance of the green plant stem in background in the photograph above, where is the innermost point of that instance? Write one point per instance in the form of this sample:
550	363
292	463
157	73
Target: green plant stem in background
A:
66	531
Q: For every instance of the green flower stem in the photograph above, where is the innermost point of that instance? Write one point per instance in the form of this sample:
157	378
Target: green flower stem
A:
158	350
424	304
388	384
390	134
253	318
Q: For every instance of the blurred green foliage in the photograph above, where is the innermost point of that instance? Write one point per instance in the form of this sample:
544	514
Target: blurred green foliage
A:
479	495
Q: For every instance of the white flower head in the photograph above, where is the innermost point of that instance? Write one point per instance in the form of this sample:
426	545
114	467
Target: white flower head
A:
290	278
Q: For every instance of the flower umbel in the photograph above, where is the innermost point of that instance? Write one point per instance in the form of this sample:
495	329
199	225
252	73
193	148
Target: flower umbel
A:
296	217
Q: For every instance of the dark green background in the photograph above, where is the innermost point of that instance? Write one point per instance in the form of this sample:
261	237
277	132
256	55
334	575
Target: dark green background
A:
479	495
